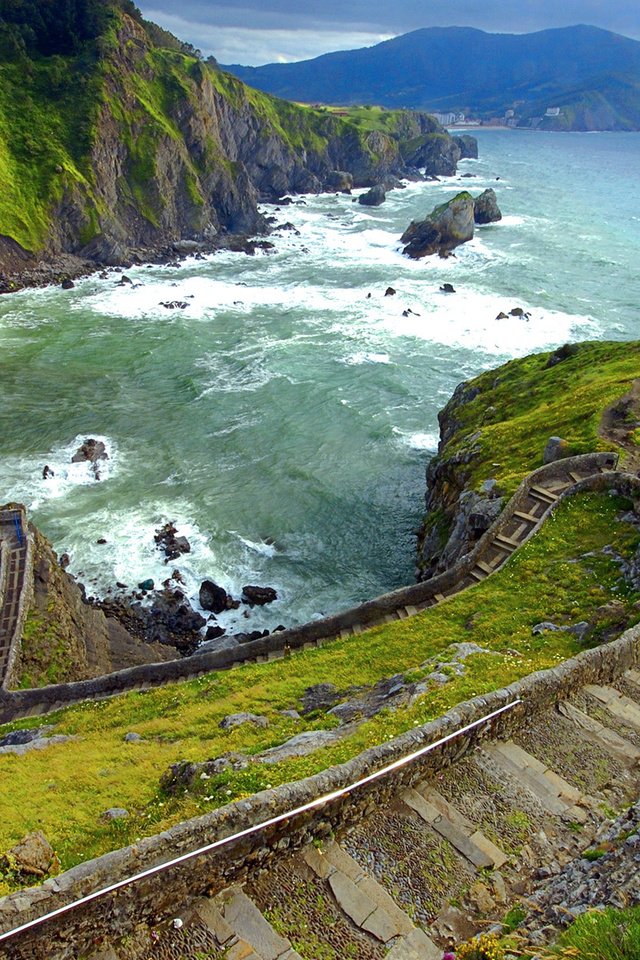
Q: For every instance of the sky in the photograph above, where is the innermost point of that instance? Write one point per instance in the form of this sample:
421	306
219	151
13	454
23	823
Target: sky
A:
253	32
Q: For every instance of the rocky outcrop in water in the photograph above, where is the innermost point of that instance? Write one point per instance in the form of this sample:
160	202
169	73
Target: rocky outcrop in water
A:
485	207
438	156
444	229
93	452
374	197
467	145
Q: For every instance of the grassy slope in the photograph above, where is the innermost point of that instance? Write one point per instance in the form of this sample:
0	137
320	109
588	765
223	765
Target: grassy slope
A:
601	935
47	112
523	403
64	789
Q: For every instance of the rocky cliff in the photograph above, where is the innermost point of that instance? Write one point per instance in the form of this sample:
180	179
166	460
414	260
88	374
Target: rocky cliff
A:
66	639
130	146
495	428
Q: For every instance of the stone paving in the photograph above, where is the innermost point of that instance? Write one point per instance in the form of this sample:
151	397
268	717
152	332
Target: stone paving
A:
449	858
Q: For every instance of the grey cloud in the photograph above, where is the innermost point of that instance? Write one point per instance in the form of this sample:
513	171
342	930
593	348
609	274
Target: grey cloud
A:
257	32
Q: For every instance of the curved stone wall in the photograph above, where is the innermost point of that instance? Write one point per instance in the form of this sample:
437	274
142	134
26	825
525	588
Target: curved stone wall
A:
163	894
597	469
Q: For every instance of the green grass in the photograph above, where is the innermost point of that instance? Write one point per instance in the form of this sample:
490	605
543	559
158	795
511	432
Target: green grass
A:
48	110
602	935
64	789
522	404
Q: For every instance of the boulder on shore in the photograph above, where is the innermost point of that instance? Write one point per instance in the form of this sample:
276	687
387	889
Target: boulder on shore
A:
485	207
445	228
373	197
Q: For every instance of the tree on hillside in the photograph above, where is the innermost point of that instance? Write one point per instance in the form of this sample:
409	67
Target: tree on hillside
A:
49	27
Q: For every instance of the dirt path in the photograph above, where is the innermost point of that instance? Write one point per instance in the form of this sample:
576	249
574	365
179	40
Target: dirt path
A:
619	422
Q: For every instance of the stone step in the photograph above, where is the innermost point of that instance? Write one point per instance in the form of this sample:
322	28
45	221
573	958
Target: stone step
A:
619	706
484	566
411	611
478	574
634	677
613	743
417	946
526	516
554	794
253	930
558	486
502	540
365	901
542	492
454	827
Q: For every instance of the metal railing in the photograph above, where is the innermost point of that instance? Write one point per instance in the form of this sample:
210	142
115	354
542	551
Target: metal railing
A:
256	828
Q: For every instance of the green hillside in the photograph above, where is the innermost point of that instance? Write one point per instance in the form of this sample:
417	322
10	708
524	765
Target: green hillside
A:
591	74
115	136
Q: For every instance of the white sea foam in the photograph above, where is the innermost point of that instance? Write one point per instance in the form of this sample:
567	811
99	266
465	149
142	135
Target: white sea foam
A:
22	477
419	441
261	547
470	318
359	358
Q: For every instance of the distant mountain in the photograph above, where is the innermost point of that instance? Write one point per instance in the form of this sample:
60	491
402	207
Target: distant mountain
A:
592	75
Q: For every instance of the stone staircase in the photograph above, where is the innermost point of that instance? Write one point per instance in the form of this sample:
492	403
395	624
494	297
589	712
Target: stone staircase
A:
520	524
13	568
444	860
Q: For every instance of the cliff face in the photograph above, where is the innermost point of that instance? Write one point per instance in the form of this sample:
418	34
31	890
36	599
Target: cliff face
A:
64	638
456	515
495	429
137	146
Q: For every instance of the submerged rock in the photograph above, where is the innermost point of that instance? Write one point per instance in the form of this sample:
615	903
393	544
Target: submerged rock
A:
91	451
171	542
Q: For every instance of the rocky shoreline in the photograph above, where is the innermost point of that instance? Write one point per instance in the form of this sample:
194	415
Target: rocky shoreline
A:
30	272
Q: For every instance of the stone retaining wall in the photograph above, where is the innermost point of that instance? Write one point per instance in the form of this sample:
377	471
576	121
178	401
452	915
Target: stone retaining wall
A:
164	895
23	703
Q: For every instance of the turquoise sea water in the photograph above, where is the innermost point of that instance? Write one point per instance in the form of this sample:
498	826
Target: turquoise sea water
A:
285	418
